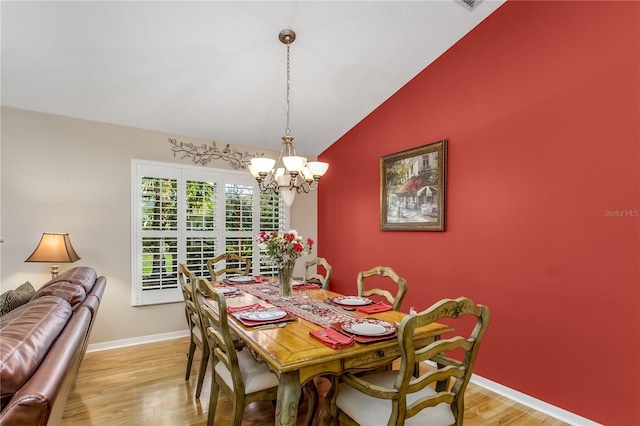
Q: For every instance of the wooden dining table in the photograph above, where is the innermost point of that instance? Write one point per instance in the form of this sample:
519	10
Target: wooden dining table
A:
296	357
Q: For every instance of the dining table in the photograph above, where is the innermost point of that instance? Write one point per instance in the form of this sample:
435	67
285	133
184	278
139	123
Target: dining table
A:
295	356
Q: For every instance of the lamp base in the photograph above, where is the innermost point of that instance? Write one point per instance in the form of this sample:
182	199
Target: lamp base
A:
54	270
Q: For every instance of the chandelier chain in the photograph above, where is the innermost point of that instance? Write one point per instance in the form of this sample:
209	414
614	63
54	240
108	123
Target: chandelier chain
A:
287	130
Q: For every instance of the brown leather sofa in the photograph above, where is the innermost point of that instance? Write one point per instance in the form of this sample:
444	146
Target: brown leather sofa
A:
42	344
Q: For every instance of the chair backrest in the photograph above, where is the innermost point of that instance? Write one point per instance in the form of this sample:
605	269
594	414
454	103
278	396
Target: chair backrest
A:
187	279
216	330
454	356
234	265
318	278
383	271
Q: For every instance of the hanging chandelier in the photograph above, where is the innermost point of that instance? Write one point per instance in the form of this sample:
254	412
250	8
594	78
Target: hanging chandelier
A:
292	174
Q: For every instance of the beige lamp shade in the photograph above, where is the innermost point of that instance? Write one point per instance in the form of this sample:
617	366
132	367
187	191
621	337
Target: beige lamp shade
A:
54	248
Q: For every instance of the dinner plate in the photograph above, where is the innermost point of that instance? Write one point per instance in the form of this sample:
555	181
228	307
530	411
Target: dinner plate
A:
352	300
297	282
225	290
369	327
264	315
241	279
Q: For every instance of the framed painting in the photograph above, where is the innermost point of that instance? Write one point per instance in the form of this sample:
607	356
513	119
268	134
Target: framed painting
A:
412	189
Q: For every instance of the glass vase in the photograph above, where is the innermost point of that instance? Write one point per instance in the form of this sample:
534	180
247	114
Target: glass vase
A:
285	276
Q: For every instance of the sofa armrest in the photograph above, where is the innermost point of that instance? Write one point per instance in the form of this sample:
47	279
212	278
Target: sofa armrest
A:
42	399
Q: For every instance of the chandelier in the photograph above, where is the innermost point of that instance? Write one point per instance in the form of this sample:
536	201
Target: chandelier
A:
291	174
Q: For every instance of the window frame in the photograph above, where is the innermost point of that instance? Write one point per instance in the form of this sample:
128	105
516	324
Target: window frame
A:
184	173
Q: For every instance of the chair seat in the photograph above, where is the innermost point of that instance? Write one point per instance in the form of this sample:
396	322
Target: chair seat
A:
256	375
351	402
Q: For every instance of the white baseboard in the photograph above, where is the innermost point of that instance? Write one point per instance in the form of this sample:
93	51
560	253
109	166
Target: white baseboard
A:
94	347
512	394
529	401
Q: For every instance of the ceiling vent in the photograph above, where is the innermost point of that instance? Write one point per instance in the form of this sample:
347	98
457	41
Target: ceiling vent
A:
469	4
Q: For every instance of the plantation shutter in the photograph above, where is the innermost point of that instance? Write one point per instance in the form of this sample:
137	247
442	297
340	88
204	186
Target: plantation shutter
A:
192	214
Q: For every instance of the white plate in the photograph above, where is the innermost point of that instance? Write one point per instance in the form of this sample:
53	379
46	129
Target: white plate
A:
297	282
241	279
264	315
225	290
370	327
353	300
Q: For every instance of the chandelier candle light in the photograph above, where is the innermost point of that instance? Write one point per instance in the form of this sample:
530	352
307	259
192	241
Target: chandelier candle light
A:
292	174
283	250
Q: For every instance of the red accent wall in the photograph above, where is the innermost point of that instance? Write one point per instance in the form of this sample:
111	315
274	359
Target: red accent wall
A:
541	107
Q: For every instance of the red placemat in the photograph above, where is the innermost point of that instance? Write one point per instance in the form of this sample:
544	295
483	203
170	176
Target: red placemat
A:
250	323
364	339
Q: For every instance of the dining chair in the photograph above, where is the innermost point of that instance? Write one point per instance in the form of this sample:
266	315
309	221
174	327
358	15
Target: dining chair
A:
197	338
383	271
234	264
237	373
436	397
318	278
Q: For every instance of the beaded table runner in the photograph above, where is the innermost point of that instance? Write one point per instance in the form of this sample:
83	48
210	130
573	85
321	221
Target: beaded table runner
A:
312	310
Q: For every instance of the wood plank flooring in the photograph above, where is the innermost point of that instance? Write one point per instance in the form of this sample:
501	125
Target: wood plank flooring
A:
144	385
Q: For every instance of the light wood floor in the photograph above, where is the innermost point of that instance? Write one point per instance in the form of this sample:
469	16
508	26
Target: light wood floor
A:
144	385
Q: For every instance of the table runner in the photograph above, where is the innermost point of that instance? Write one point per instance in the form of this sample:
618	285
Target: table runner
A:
312	310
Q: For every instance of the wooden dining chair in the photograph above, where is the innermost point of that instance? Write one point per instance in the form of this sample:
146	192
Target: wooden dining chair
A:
237	373
383	271
318	278
436	397
197	338
234	264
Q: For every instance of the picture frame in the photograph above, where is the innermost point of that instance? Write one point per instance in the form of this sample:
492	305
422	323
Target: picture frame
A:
413	189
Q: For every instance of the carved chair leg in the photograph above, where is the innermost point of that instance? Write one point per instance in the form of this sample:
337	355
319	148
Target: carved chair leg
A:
312	405
238	410
329	411
201	372
192	349
213	401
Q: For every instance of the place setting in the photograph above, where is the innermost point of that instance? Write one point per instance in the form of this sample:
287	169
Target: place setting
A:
243	279
258	315
350	303
228	291
366	330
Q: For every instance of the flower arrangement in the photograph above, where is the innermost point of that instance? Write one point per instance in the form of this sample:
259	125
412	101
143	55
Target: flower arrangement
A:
283	248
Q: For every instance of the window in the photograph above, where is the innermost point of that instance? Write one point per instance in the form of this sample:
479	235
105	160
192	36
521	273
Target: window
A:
191	214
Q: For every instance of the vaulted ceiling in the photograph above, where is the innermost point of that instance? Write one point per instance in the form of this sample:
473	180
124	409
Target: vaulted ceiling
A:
216	69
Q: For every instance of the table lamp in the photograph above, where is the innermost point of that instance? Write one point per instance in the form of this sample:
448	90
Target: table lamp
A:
54	248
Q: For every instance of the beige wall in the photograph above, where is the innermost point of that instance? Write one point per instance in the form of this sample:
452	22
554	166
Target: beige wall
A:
61	174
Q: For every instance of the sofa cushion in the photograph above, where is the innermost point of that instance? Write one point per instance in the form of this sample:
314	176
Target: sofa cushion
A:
9	300
80	275
27	334
71	292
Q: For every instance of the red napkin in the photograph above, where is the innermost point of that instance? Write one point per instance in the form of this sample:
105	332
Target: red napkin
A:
375	308
232	309
332	338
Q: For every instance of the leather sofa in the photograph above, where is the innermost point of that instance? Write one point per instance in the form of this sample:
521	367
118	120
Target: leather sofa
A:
42	344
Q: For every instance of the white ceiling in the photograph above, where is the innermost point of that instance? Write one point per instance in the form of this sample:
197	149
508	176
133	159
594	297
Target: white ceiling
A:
216	70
